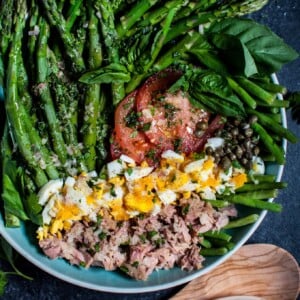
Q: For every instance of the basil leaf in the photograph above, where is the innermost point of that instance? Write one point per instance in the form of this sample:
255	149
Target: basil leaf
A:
232	47
257	42
33	209
108	74
12	200
3	282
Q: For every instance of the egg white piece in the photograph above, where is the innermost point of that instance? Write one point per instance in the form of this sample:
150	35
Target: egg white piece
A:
118	193
137	173
51	187
208	193
49	212
167	196
115	168
194	166
225	176
127	159
172	155
258	165
214	142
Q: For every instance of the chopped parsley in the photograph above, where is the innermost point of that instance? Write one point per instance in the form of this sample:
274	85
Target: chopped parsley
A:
132	119
124	269
152	233
146	126
177	143
135	264
102	235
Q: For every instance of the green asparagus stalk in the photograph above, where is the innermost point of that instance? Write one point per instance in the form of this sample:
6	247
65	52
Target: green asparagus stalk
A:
269	143
133	16
6	23
242	221
15	116
195	7
213	251
165	60
157	15
261	186
255	90
274	126
226	10
71	45
110	34
243	94
73	13
45	94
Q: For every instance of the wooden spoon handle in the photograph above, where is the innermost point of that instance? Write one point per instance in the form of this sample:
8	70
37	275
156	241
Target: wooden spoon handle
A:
261	270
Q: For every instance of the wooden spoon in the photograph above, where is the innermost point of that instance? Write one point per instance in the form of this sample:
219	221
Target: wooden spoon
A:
261	270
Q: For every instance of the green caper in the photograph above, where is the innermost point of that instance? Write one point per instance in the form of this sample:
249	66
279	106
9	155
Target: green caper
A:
232	156
256	150
253	119
209	150
225	163
236	122
198	133
235	131
238	151
244	161
245	125
248	132
201	125
240	137
219	151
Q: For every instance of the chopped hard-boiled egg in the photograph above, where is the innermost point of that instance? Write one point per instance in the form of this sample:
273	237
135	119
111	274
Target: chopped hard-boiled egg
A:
131	190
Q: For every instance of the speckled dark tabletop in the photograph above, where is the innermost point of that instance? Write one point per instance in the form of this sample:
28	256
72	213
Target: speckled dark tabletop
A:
283	17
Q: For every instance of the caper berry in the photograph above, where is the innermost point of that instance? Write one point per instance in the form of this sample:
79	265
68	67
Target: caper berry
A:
232	156
201	125
239	151
240	137
225	163
253	119
244	161
209	150
198	133
248	132
235	131
256	150
236	122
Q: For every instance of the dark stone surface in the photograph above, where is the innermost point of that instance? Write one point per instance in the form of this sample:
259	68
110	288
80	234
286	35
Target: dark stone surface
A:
283	229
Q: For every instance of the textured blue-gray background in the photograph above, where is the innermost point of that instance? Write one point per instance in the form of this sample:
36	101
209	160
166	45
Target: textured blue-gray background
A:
283	229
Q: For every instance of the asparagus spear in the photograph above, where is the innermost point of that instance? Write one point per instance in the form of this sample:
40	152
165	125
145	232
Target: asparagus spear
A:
242	221
92	99
109	32
133	15
15	116
71	45
224	10
45	94
73	13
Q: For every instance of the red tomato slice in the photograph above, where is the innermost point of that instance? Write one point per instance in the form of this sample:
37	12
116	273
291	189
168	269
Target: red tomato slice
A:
128	140
150	120
169	120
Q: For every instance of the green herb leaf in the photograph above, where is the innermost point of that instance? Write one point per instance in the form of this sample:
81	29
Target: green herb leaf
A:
108	74
12	200
257	43
3	282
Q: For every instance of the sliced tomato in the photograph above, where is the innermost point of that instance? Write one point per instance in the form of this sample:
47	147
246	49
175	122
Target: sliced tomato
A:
129	140
169	119
151	120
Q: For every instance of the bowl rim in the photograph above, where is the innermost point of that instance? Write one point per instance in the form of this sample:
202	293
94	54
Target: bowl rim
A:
131	290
